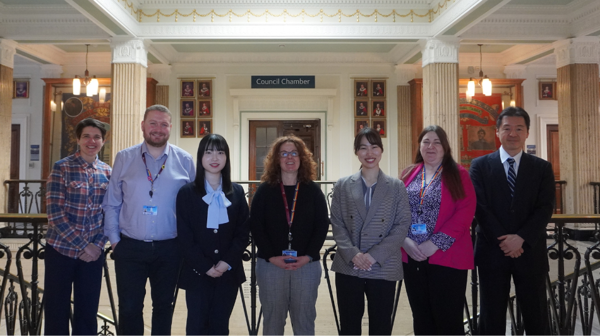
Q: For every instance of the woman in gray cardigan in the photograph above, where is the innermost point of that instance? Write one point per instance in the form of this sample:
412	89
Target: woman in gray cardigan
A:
370	216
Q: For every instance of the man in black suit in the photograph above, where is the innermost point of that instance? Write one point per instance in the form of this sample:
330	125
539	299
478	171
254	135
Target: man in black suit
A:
515	198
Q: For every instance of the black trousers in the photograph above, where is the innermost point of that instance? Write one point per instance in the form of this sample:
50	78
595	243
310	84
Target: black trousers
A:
136	262
351	292
210	305
62	275
437	296
494	286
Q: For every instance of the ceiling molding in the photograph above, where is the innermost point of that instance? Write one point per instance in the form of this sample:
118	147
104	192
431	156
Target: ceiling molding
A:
521	53
454	13
511	27
46	52
402	52
280	58
586	20
145	4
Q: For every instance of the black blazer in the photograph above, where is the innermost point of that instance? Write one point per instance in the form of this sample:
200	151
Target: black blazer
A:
526	215
202	248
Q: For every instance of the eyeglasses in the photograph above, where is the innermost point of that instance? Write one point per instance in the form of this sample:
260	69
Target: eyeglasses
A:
285	154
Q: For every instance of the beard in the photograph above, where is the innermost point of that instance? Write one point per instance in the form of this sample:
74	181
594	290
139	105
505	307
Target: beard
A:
149	141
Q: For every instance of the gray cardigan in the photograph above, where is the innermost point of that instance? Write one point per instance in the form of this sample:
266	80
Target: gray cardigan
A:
381	231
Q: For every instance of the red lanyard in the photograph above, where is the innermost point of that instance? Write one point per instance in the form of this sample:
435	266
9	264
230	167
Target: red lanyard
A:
424	186
290	219
149	174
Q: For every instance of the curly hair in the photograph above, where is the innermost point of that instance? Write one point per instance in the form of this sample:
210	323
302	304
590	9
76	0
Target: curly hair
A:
308	167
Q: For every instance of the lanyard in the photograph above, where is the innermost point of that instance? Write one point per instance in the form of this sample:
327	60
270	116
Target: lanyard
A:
149	174
290	219
425	186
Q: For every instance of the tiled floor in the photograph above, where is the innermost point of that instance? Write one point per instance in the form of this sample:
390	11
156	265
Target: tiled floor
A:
325	323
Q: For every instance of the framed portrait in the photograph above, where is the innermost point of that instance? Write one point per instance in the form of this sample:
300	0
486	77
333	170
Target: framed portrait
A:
359	124
547	90
380	127
188	128
188	108
204	108
188	88
204	127
378	89
378	109
204	88
20	89
361	88
361	108
481	138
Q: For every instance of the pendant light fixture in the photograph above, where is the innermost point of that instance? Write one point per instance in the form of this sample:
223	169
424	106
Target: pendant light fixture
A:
484	81
91	84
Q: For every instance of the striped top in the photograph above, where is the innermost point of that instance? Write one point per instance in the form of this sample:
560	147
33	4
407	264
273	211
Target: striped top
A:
75	190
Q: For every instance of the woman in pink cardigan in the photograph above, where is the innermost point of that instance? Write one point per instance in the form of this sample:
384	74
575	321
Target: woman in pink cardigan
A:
437	252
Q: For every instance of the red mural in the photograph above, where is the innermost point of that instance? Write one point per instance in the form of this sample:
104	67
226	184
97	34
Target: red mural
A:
478	126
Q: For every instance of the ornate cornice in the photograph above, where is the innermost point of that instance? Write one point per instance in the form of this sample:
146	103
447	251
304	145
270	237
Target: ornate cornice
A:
128	50
440	51
282	58
581	50
8	49
148	3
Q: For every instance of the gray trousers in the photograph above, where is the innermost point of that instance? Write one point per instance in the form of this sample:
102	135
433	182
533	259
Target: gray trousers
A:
281	291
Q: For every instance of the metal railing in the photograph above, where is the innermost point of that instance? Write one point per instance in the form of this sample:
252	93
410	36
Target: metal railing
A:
24	197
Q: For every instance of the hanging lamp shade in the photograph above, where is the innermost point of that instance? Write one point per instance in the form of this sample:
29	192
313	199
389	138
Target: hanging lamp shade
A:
76	86
486	86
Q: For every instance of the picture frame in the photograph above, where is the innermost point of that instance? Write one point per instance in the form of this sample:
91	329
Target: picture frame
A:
547	90
378	89
204	127
187	88
359	124
204	88
20	89
204	108
379	125
361	88
378	109
481	138
188	129
187	108
361	108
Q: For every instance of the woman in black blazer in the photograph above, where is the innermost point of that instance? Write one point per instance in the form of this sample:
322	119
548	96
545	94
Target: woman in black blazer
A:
213	232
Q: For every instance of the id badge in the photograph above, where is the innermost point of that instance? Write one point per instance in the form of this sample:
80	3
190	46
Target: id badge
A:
150	210
418	229
291	253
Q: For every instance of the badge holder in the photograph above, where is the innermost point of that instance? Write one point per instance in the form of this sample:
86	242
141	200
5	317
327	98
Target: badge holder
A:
290	252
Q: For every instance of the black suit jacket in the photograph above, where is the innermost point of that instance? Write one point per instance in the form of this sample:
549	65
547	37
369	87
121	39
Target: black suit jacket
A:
526	215
201	247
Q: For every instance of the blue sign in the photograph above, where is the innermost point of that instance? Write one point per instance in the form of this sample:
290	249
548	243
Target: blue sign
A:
283	82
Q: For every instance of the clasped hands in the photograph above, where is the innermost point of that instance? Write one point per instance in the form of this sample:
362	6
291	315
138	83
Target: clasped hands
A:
511	245
419	252
279	261
218	269
363	261
90	253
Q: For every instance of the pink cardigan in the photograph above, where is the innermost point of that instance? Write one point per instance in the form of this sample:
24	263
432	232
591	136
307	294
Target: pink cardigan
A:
454	219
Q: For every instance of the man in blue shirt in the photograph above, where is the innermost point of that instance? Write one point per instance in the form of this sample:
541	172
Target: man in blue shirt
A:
141	225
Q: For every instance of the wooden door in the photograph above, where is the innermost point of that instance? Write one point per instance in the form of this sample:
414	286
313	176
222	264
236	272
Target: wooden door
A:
264	132
13	189
554	159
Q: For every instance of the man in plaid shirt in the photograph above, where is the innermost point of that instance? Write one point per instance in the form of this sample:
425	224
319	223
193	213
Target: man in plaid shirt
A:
75	237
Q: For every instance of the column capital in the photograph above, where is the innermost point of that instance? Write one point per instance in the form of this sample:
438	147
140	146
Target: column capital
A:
129	50
579	50
160	72
515	71
405	73
51	70
8	49
436	50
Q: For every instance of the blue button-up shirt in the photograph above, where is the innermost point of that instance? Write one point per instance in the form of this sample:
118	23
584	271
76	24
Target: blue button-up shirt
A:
128	193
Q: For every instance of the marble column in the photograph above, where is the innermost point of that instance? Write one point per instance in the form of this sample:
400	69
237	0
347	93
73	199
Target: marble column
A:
404	73
578	120
7	53
128	82
162	73
440	89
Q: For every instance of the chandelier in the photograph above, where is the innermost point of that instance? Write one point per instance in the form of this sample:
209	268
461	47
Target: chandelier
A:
91	84
484	81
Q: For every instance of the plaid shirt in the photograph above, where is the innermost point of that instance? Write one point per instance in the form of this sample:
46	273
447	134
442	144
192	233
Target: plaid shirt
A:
75	190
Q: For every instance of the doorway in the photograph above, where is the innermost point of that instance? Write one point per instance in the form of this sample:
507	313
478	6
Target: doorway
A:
264	132
554	158
15	148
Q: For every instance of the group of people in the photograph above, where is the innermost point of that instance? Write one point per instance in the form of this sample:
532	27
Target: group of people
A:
157	208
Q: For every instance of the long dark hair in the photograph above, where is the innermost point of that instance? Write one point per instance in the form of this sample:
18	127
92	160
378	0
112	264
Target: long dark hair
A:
213	142
450	172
